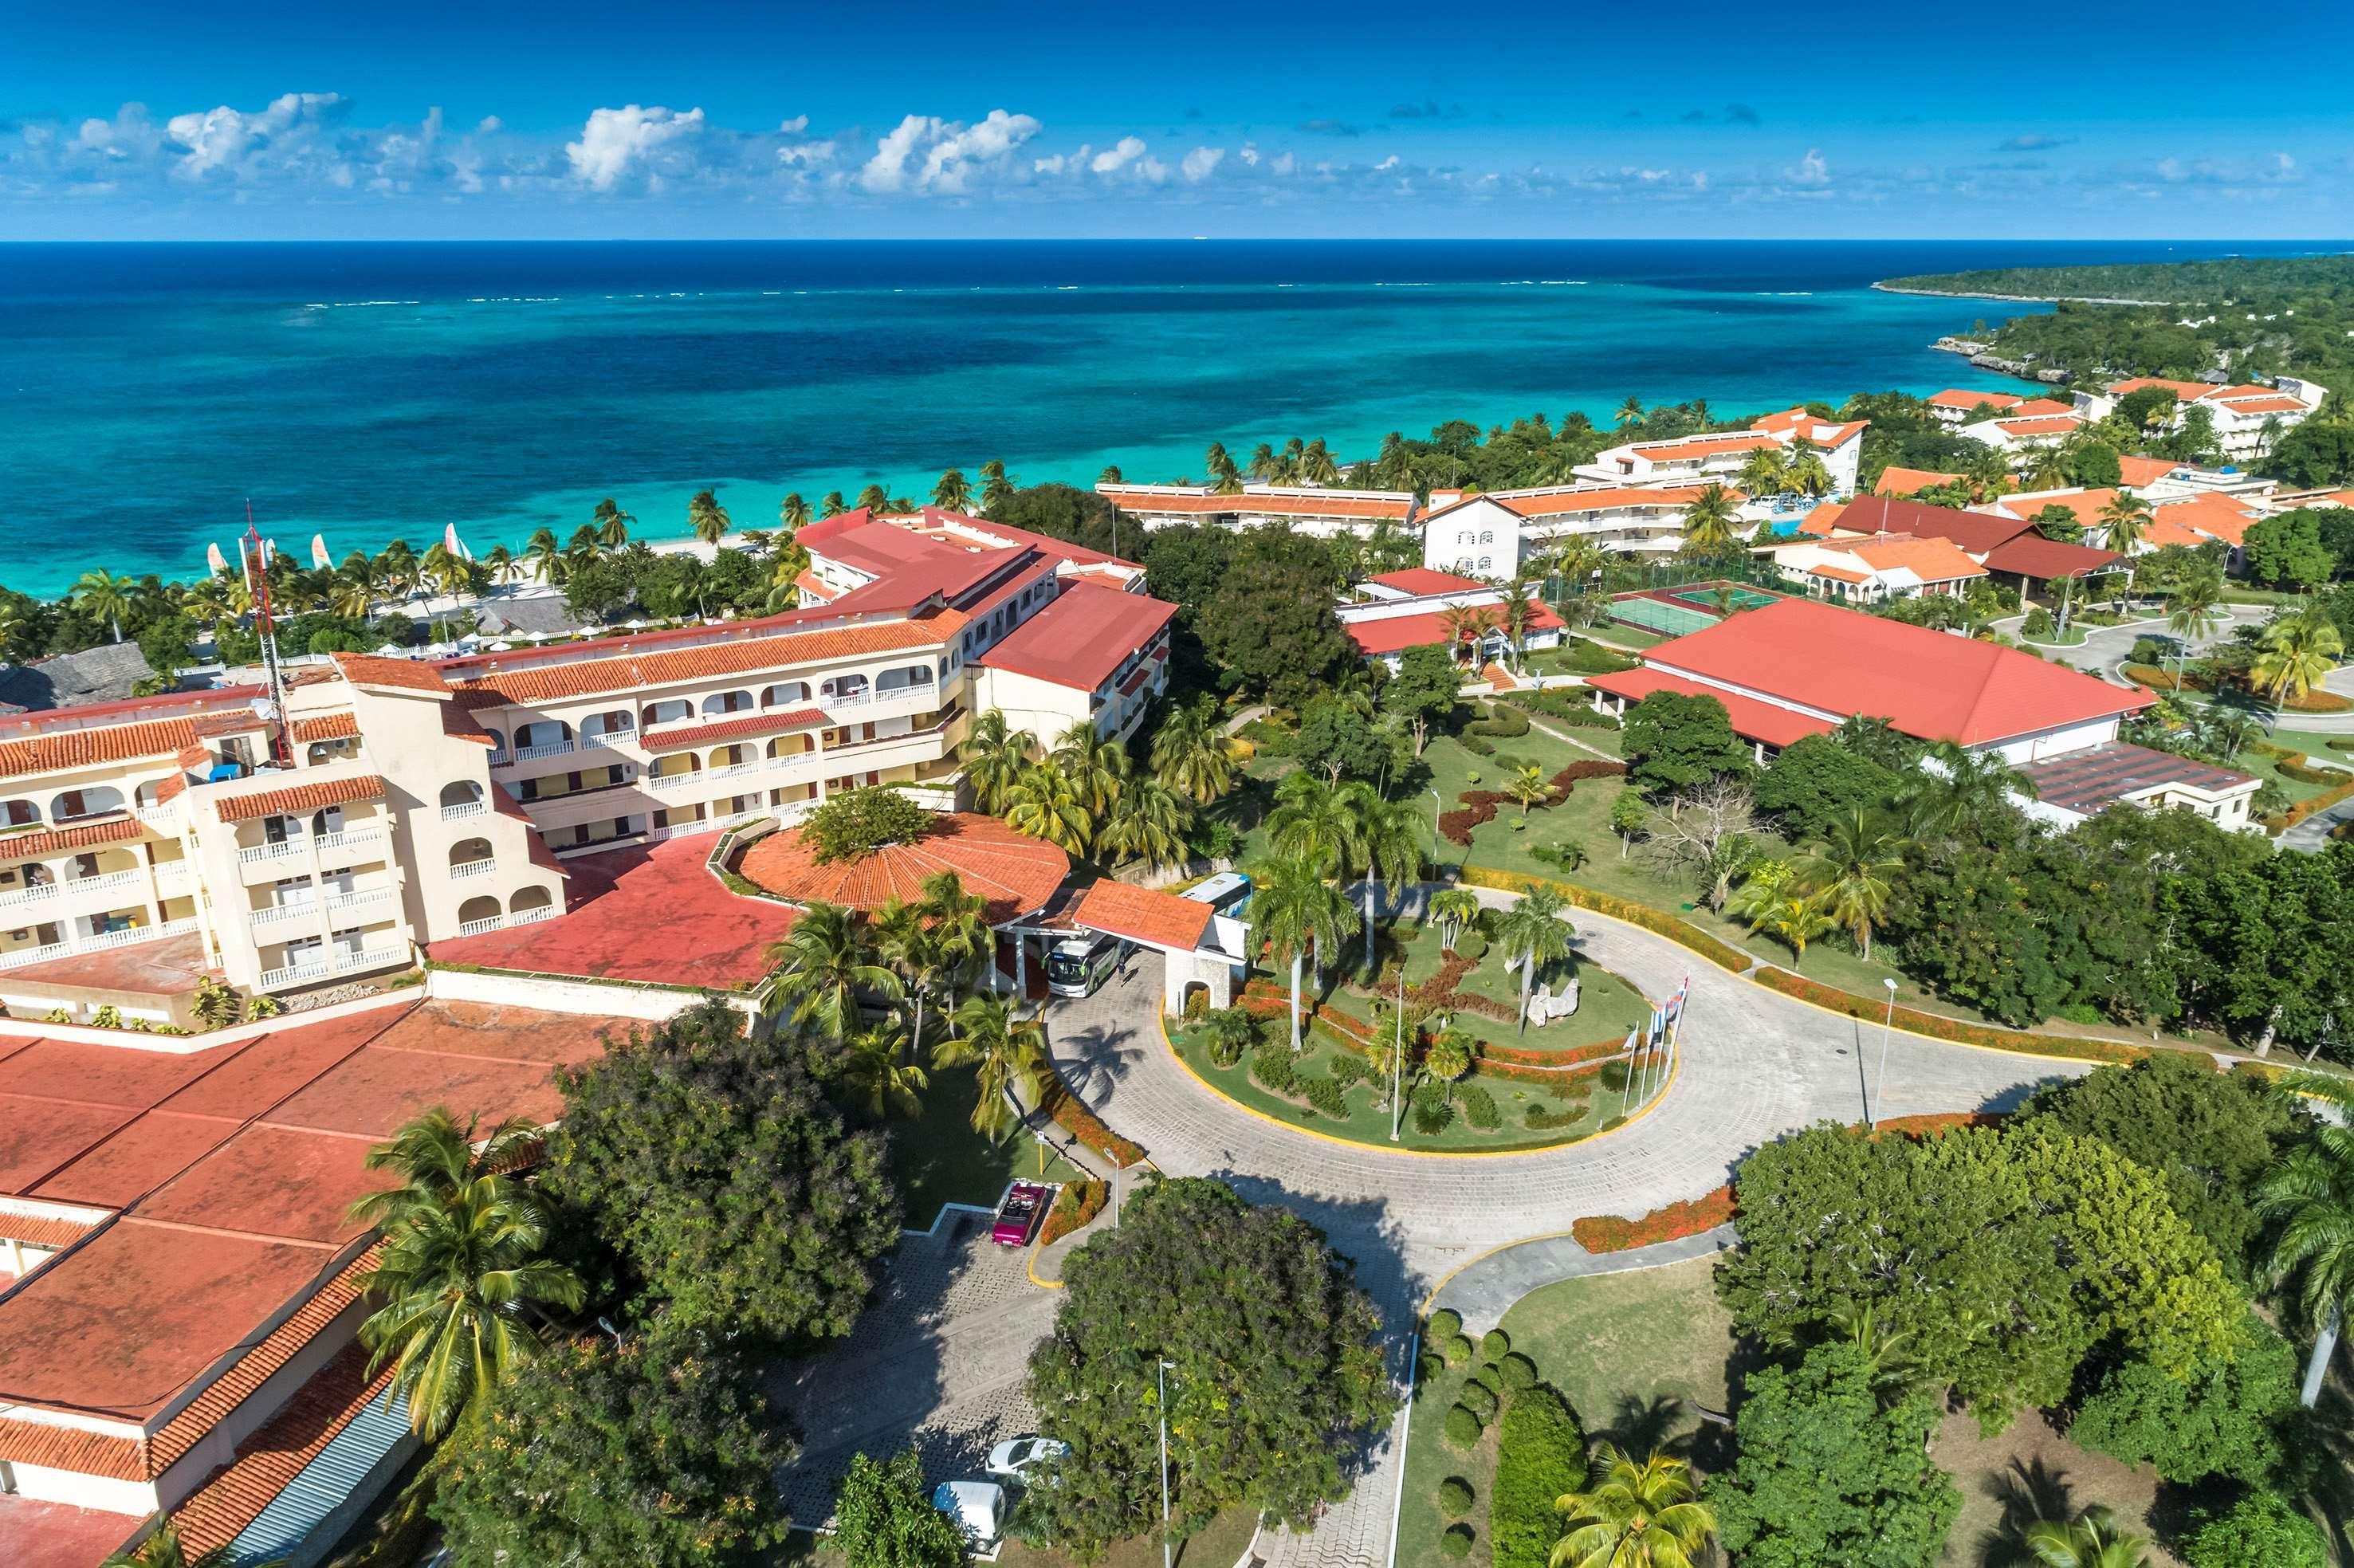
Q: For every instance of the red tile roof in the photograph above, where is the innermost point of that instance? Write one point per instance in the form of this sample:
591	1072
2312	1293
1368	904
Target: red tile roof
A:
1082	637
1016	873
1965	398
1142	915
1417	580
2046	424
300	798
2185	390
1396	633
79	835
1610	498
592	671
2034	406
95	747
1752	719
343	725
2139	470
2219	517
1933	560
116	1457
269	1460
1894	481
1930	684
458	722
2037	556
399	674
717	730
1137	498
2265	405
44	1230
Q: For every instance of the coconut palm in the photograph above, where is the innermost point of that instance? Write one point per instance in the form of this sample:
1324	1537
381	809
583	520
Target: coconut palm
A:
1314	822
1965	789
1456	909
1527	786
1466	624
2092	1539
1046	803
1709	521
1191	754
962	941
1295	910
164	1549
819	967
995	757
1224	477
612	523
1535	932
1793	918
2047	468
1110	475
1147	823
996	484
1517	619
793	512
352	596
878	1074
830	505
500	563
542	551
1263	464
2297	652
1006	1052
1632	1516
2194	616
1809	477
1097	769
1763	472
458	1266
1630	412
1383	847
2308	1198
953	492
100	593
1851	869
706	519
1316	464
902	933
2126	518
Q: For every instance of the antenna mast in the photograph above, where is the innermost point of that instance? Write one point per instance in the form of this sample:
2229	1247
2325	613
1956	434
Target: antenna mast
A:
253	556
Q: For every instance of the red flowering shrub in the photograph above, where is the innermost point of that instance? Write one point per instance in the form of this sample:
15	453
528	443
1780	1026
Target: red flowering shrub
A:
1610	1233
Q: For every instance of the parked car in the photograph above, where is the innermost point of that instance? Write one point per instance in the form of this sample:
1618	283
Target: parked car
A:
1017	1217
1014	1459
979	1508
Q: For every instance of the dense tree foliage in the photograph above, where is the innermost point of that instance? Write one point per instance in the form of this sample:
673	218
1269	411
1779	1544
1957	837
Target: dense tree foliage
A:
884	1517
1065	511
653	1456
2263	1530
712	1162
853	823
1270	622
2231	1416
1278	1368
1828	1474
1816	782
1674	742
1540	1455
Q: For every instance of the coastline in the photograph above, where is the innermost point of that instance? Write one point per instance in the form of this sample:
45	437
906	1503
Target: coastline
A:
2023	299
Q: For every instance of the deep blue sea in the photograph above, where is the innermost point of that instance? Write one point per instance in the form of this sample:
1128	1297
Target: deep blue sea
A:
368	390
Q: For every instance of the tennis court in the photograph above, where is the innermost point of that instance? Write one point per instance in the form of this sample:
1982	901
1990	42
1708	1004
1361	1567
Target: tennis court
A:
1658	615
1745	598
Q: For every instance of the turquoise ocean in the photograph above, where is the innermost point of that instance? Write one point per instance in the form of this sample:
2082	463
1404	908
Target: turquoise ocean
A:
364	391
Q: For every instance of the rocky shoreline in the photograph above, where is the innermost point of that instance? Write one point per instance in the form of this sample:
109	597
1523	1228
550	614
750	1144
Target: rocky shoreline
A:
2019	299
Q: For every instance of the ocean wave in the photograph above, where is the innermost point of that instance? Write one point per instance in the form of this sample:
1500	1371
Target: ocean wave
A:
354	304
1785	293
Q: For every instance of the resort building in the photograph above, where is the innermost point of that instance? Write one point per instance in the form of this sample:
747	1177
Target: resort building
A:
1895	481
396	802
1794	668
1719	457
2005	545
1499	532
2248	419
2049	424
1420	608
1324	513
1881	566
1956	405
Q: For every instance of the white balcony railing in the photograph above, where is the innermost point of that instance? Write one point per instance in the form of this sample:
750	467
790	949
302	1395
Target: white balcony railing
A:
350	838
673	780
482	867
130	936
461	810
26	897
375	957
525	916
733	770
278	851
279	914
105	879
42	954
369	899
164	816
476	927
533	752
295	974
607	741
172	874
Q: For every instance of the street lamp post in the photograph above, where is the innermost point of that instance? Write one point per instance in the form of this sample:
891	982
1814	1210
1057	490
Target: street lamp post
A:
1164	1374
1880	1081
1437	810
1397	1064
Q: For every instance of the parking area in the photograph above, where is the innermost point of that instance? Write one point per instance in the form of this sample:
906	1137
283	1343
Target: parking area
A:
940	1359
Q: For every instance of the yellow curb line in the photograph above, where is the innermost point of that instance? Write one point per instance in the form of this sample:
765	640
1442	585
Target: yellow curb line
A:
1031	1266
1675	1071
1480	1257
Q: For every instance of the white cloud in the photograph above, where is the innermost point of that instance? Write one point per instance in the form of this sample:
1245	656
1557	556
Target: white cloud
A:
226	139
615	139
1202	162
1387	165
795	126
1112	159
1250	155
952	151
1811	170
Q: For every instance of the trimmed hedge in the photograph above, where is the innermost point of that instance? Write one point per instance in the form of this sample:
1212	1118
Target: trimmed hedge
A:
1494	1345
1480	1108
1455	1542
1724	955
2306	808
1463	1426
1608	1232
1071	1114
1518	1371
1455	1496
1540	1119
1939	1027
1078	1202
2305	772
1540	1454
1481	1400
1443	1325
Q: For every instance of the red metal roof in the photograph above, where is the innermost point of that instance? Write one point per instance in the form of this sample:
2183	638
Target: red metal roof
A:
1930	684
1016	873
1419	581
1396	633
1975	532
1141	915
1752	719
2038	556
1081	638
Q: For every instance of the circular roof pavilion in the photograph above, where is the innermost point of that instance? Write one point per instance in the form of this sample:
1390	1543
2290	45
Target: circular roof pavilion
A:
1016	875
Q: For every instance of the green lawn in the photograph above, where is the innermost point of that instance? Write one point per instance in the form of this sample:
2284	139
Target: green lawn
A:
1608	1007
1620	636
937	1157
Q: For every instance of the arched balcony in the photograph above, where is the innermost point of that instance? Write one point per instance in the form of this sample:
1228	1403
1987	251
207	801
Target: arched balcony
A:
19	813
462	797
542	737
479	914
785	694
472	857
719	702
907	678
533	902
843	691
670	710
73	805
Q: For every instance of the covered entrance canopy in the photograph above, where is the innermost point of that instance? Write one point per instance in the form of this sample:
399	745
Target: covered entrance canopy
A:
1200	946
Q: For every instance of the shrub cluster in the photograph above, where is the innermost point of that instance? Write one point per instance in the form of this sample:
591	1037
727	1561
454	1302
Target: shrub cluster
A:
1325	1094
1608	1232
1271	1066
1455	1496
1722	954
1540	1454
1455	1542
1078	1202
1502	723
1571	709
1071	1114
1463	1427
1480	1108
1939	1026
1543	1120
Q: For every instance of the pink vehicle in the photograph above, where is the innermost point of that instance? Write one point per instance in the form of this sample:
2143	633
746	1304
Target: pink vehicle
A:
1017	1217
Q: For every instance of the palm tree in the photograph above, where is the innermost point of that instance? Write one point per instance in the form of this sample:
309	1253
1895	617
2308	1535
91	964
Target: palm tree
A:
1763	472
820	966
1190	754
1534	931
2047	468
1966	789
1097	769
2307	1198
1456	909
1316	464
501	563
2194	616
542	551
1046	803
1527	786
2128	518
1634	1515
876	1071
953	492
1447	1056
1630	412
962	941
996	484
1262	462
1297	910
459	1266
995	754
613	524
1708	523
99	592
2092	1540
1110	475
353	595
1518	618
1851	869
1465	623
706	519
1006	1050
1384	846
2298	652
903	939
1795	920
1147	823
830	505
1314	822
793	512
164	1549
1809	477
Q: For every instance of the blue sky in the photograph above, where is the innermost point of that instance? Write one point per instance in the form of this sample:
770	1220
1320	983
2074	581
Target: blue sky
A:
274	121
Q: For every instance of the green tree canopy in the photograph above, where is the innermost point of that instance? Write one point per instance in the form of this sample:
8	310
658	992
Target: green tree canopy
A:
657	1454
2233	1417
2286	550
852	823
884	1517
1815	783
1826	1474
1271	622
2263	1527
1278	1372
1673	742
712	1163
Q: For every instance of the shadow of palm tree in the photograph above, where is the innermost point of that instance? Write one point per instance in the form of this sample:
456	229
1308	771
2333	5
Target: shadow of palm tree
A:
1639	1426
2028	1490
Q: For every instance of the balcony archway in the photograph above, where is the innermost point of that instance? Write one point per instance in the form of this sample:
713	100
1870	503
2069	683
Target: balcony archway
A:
719	702
72	805
784	693
528	899
459	793
477	910
670	710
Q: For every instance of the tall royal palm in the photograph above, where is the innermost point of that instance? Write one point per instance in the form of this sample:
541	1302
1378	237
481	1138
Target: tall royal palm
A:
1456	909
1314	822
458	1267
995	754
1383	847
1005	1050
2307	1198
1851	869
820	966
1965	789
1633	1516
1296	910
2125	520
953	492
1191	754
1535	932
